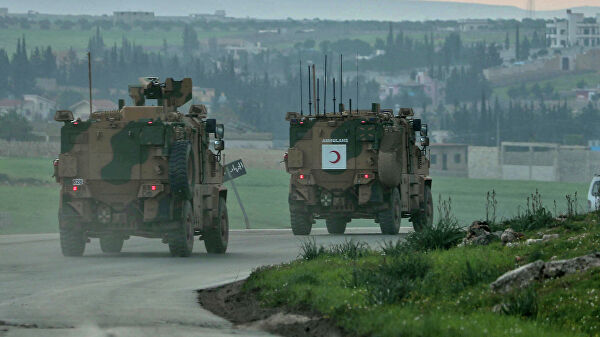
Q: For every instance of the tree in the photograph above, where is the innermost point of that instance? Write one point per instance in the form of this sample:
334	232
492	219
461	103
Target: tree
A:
15	127
190	40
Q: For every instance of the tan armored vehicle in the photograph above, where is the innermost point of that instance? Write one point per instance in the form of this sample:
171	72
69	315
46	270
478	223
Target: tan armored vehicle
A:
147	171
358	165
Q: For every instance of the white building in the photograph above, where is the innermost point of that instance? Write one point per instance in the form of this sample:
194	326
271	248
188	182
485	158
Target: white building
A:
35	106
575	30
468	25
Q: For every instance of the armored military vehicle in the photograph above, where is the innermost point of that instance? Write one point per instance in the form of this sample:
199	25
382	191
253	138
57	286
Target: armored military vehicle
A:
147	171
358	165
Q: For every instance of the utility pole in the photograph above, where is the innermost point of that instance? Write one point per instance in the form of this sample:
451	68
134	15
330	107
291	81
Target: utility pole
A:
90	78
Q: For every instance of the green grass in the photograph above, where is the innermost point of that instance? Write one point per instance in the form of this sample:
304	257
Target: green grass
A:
562	83
448	291
63	39
264	194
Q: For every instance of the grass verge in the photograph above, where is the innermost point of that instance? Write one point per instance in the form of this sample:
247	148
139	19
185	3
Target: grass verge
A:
405	289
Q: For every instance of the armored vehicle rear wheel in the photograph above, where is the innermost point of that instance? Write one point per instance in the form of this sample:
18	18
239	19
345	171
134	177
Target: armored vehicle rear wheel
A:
216	239
390	219
425	218
181	242
300	220
111	243
181	169
336	225
72	242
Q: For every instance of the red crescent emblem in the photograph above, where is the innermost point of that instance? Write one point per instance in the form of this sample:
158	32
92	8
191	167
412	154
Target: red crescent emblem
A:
337	160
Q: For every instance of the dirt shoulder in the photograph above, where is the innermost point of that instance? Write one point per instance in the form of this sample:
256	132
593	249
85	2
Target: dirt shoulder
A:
244	310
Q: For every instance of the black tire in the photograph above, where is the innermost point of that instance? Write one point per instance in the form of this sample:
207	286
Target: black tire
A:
391	218
425	219
300	219
216	238
72	242
181	169
111	244
336	225
181	242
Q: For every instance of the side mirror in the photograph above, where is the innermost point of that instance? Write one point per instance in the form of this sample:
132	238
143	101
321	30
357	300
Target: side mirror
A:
220	131
219	145
211	125
416	125
425	141
424	130
63	116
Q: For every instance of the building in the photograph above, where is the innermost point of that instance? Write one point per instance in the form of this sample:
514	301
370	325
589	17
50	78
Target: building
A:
8	105
449	160
219	15
469	25
3	12
81	109
575	30
132	16
433	88
36	107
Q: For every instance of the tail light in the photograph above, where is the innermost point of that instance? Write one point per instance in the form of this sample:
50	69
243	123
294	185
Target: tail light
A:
302	176
75	188
366	176
285	156
55	162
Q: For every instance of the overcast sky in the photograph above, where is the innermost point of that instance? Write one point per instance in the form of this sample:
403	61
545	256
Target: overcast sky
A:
539	4
336	9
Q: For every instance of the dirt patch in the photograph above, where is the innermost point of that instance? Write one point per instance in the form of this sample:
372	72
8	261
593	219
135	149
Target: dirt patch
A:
244	310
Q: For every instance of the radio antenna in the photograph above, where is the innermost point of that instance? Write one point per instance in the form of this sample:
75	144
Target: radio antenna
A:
318	98
356	82
341	82
334	95
301	94
89	55
325	88
309	97
314	87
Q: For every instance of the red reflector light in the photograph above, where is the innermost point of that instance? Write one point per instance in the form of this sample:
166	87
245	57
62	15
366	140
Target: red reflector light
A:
150	122
75	123
302	176
153	187
366	176
363	122
75	188
301	123
55	162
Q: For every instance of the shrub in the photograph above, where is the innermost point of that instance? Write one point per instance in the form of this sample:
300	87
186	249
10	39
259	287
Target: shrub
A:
349	249
536	216
445	234
522	303
309	250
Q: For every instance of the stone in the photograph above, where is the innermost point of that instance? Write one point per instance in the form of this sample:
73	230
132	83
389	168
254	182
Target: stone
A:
533	241
518	278
479	233
548	237
509	235
560	268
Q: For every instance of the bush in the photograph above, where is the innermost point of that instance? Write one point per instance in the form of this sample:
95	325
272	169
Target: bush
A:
536	216
391	281
349	249
522	303
309	250
445	234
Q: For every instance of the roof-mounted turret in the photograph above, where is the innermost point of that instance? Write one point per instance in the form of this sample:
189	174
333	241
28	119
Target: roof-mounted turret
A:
171	93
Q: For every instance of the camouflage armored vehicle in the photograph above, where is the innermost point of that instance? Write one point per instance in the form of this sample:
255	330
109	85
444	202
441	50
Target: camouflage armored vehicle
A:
147	171
358	165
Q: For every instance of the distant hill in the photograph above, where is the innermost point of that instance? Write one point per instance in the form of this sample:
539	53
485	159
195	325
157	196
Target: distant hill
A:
386	10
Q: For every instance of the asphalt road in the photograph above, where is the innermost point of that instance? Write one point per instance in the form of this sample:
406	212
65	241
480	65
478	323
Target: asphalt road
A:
140	292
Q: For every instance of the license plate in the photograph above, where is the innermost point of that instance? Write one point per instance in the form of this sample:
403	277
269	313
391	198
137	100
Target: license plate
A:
77	182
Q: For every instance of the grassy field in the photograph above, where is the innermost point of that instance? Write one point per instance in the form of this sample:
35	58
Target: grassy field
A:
33	209
562	83
424	292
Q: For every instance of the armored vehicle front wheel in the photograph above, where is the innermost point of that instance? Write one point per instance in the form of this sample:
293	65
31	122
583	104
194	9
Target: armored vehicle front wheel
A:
336	225
390	219
111	243
425	218
72	242
216	238
300	220
181	169
181	242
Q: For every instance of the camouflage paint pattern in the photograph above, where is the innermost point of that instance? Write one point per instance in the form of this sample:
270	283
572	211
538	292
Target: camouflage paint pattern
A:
114	167
381	153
